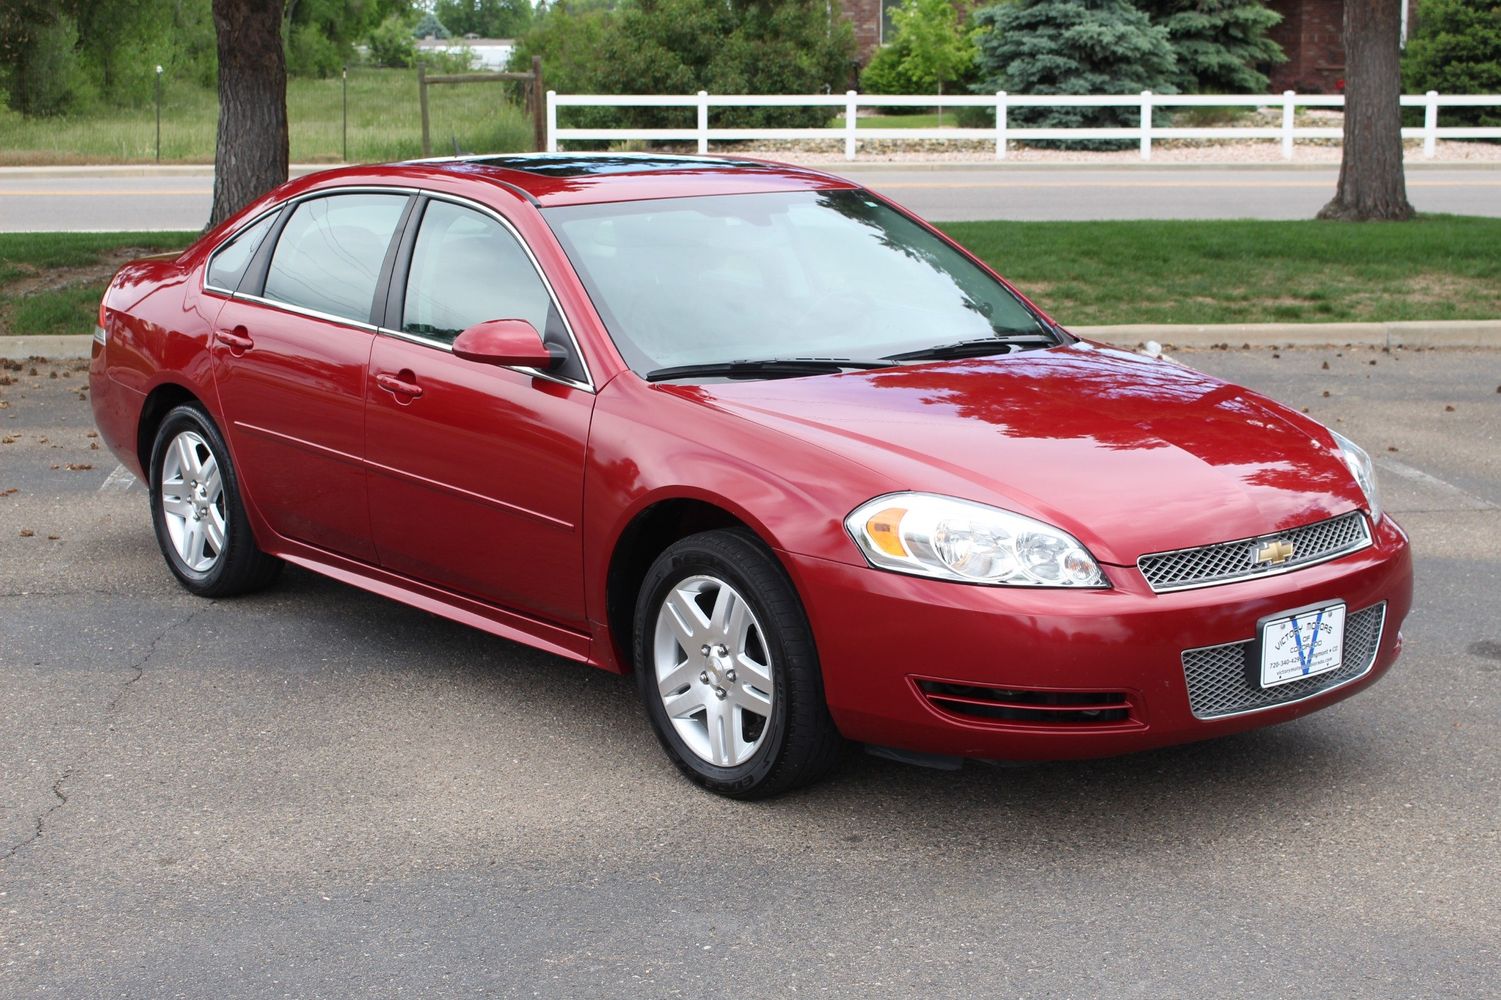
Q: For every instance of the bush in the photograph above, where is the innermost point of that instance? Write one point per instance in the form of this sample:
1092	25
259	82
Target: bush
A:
311	53
48	78
929	51
1456	49
1219	43
1072	47
683	46
391	44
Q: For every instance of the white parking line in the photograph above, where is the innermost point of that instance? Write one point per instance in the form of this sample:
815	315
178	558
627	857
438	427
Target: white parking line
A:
119	479
1419	476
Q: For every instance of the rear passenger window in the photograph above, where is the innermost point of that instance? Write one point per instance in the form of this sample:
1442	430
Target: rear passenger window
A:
229	261
466	269
329	255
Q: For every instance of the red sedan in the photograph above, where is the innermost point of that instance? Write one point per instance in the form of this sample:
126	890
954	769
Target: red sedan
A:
803	465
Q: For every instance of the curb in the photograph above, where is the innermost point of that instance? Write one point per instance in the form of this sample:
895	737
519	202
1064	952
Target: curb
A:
1481	333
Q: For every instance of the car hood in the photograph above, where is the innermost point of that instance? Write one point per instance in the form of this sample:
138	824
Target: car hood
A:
1130	454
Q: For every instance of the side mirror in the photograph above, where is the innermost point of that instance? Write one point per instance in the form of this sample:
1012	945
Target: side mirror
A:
510	342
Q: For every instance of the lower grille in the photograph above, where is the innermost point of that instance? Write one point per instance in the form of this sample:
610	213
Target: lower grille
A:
1221	678
1077	708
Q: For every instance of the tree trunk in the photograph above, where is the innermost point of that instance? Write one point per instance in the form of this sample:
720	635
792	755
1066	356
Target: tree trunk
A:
1371	182
250	157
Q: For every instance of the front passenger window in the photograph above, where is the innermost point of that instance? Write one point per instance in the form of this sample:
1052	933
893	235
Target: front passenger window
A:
330	252
466	269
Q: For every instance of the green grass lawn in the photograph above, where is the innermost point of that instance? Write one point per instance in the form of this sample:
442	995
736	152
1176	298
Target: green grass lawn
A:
1084	273
1217	271
384	124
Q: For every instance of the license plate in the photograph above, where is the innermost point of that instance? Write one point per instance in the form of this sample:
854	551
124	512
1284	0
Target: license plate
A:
1302	644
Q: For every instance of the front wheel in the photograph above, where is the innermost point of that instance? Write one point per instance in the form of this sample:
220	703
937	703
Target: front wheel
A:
195	507
728	670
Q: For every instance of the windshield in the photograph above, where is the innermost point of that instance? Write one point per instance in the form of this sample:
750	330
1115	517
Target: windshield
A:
795	275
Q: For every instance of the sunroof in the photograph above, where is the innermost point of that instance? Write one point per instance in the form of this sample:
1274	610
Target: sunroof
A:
571	165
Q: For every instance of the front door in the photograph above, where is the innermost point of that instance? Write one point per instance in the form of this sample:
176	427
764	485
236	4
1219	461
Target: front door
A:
476	471
290	355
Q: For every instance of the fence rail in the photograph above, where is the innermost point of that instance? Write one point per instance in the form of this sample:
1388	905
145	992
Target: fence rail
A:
1002	134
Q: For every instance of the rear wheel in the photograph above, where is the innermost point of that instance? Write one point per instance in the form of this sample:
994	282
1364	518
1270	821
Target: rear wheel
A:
195	507
727	668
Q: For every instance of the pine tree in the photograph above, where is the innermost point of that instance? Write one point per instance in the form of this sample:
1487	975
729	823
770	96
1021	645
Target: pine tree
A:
1073	47
1220	44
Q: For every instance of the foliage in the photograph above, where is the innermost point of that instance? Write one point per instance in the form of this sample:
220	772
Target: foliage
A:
1073	47
430	26
485	18
321	34
930	48
1456	49
392	45
1219	43
48	79
683	46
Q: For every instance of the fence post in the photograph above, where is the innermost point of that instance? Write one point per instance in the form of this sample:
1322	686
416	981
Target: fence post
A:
850	98
552	121
427	144
1289	105
1146	124
703	122
1000	124
534	99
1430	126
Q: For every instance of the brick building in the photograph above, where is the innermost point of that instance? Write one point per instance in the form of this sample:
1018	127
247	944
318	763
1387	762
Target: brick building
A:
1309	34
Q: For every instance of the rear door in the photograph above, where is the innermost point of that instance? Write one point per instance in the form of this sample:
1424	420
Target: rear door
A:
291	352
476	476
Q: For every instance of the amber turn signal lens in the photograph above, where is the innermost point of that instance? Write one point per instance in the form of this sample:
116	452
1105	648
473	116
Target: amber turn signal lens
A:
884	530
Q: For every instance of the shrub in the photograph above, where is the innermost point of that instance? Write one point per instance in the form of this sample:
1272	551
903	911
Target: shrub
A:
391	44
1456	49
1219	43
311	53
930	50
47	78
683	46
1072	47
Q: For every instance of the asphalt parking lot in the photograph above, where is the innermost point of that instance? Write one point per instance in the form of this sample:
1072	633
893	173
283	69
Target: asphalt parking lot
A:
314	792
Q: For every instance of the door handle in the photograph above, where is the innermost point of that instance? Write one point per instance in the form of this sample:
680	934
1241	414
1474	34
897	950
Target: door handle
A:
400	385
237	340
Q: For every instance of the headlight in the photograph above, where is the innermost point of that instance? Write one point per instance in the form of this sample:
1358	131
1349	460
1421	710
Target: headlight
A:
1362	469
954	539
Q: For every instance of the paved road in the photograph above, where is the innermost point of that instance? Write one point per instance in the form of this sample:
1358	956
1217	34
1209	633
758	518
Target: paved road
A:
317	793
132	201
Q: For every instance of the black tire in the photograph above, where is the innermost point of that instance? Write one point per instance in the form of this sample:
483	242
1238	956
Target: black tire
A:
241	567
799	744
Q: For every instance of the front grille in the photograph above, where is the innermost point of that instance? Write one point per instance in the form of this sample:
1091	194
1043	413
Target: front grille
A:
1080	708
1225	562
1224	680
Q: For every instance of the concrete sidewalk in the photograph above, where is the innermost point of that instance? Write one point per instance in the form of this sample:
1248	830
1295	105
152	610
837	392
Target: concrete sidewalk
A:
1484	333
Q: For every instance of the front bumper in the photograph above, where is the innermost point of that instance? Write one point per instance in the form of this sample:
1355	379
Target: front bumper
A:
888	641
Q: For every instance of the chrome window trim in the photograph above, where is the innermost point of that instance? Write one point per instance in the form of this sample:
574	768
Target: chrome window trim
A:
588	384
1370	665
304	311
1357	546
224	245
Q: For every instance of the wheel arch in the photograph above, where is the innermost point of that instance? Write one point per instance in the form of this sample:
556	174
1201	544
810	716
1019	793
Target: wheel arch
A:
648	533
160	401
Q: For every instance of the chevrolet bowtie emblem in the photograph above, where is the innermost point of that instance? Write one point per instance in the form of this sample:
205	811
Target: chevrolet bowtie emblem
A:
1273	553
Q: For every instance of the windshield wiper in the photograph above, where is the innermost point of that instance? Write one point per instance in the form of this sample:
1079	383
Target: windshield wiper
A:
976	348
768	368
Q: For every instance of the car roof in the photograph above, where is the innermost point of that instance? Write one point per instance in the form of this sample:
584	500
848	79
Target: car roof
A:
550	179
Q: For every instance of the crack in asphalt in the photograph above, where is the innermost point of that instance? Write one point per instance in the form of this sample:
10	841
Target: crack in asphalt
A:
41	820
139	671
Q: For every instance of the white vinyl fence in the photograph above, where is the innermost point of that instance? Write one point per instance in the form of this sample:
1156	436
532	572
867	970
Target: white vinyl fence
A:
1001	133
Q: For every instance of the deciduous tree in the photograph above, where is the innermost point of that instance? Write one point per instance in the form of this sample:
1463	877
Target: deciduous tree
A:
1371	182
250	156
